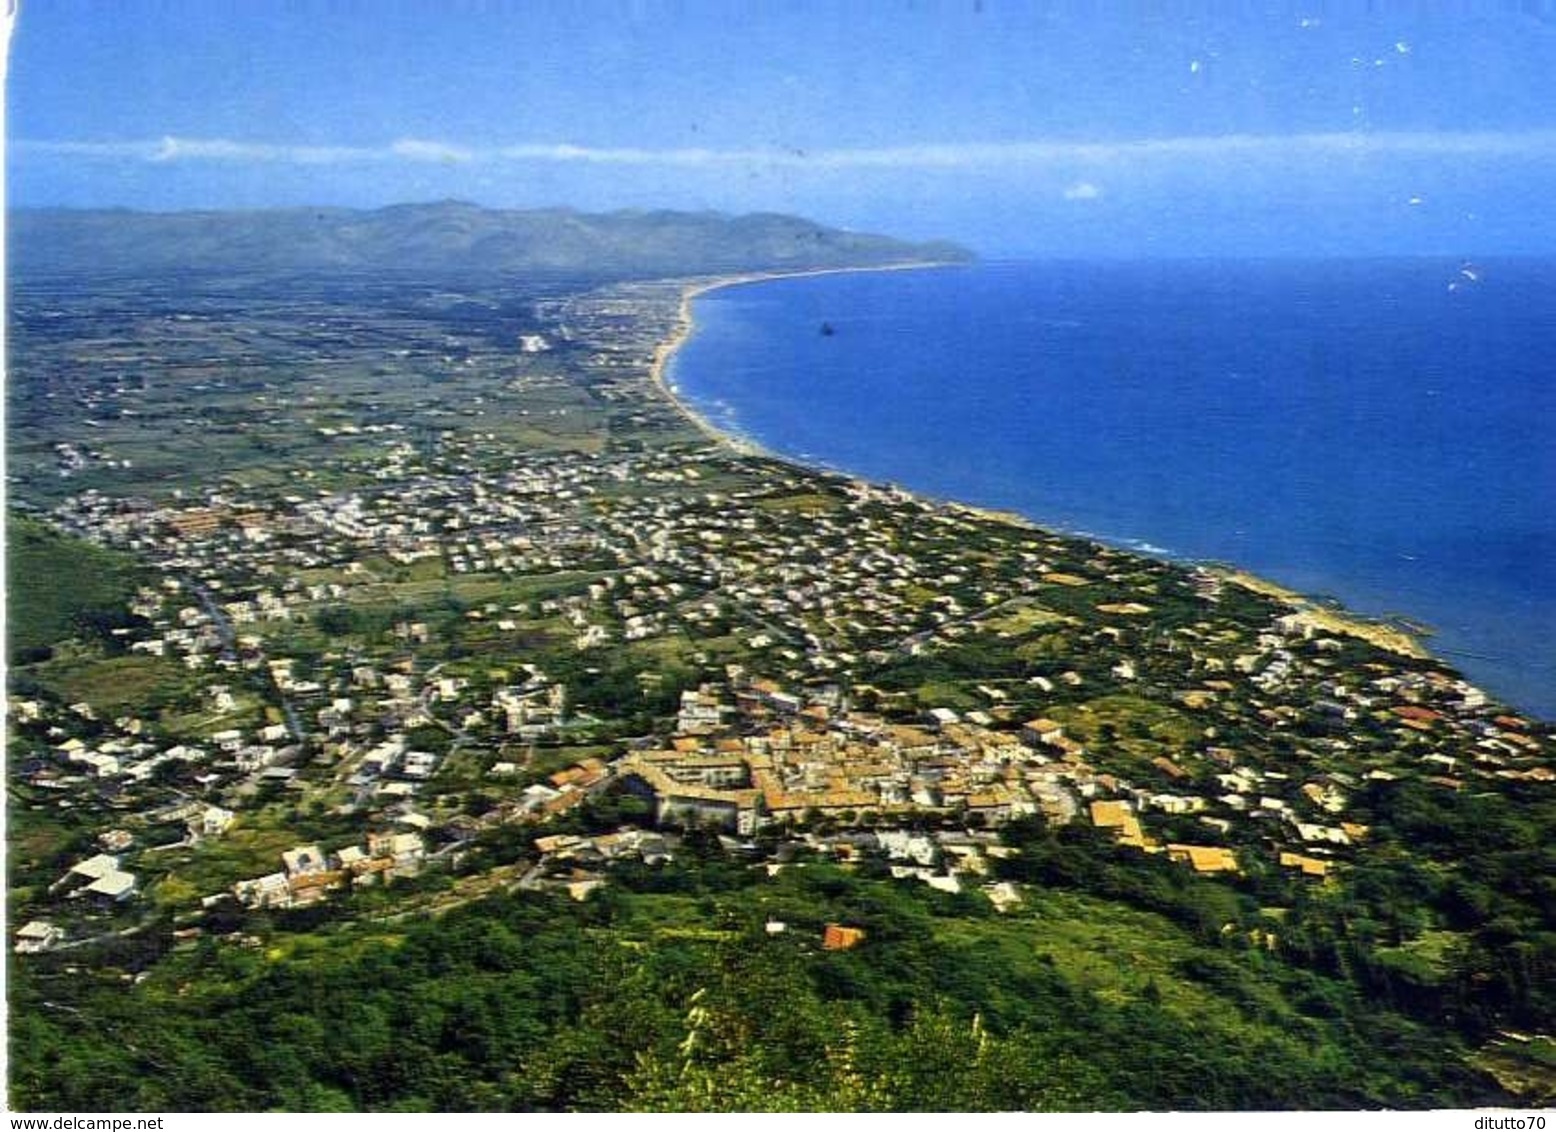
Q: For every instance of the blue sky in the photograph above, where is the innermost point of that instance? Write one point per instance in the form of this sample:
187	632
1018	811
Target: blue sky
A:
1018	128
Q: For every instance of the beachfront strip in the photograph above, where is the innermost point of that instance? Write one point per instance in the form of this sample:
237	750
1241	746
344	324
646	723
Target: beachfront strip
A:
407	648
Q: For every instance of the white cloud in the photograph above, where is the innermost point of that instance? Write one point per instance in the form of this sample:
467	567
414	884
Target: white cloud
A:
630	156
220	149
1082	190
990	156
171	149
414	149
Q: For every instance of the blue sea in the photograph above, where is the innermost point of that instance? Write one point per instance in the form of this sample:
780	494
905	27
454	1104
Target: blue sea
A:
1380	431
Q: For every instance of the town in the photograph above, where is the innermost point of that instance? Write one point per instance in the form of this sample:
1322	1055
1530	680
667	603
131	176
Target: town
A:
490	613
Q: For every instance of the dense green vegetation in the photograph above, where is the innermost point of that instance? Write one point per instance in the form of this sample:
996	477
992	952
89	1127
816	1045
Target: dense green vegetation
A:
1453	915
668	991
1450	919
58	587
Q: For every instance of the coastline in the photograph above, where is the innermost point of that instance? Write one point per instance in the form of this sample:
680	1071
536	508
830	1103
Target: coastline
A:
1319	618
685	327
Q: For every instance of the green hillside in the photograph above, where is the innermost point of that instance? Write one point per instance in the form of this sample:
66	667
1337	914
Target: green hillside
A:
676	990
59	587
445	236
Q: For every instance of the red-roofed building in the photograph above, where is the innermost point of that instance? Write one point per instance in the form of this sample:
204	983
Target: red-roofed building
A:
840	938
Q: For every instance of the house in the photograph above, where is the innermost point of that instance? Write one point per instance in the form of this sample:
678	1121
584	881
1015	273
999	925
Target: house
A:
303	860
1040	733
102	765
419	764
940	718
536	796
310	888
1003	895
1310	832
406	848
270	891
1204	858
900	845
1308	866
1069	749
212	821
1176	803
837	937
115	840
255	756
36	936
993	808
1118	815
403	851
1422	718
89	870
559	844
701	713
112	887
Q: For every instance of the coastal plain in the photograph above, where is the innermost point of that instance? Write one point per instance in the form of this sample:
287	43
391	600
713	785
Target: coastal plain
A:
478	725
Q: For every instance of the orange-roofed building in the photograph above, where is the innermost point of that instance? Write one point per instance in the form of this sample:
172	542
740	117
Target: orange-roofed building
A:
1309	866
1204	858
1041	731
1119	816
195	522
1109	814
839	938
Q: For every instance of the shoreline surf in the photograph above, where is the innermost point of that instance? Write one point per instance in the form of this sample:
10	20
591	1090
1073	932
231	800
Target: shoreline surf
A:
686	326
1384	633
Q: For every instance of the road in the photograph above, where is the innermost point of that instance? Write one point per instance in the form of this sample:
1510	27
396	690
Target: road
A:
229	639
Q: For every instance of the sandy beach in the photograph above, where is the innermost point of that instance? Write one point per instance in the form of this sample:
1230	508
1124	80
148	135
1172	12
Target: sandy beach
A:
1324	619
1321	618
685	325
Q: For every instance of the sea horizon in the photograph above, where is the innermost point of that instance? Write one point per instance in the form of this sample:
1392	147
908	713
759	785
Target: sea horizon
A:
843	333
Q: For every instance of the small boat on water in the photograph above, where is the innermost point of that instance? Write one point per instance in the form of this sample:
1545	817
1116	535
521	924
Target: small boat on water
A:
827	330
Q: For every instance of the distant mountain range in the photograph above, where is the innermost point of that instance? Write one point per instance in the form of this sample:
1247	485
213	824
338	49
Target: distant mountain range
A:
449	236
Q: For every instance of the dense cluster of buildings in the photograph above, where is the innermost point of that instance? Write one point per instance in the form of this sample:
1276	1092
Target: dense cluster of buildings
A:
324	628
